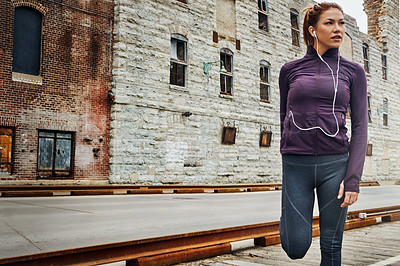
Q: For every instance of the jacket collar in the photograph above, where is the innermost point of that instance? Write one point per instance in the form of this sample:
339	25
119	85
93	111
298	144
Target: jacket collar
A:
332	52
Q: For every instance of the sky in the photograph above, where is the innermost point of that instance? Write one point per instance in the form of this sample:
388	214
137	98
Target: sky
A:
355	9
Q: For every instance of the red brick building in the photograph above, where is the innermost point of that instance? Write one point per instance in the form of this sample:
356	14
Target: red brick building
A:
55	60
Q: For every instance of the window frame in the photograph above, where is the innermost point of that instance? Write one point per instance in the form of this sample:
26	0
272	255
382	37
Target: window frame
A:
173	77
15	67
385	112
366	57
11	163
263	13
265	138
228	135
228	74
265	65
369	97
295	30
348	112
53	172
384	66
369	149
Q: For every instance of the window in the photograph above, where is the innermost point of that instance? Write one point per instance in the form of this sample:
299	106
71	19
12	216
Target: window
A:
384	66
263	15
385	111
264	81
27	41
369	149
348	112
55	153
294	19
178	60
265	138
369	109
346	48
6	150
366	57
226	18
226	78
228	135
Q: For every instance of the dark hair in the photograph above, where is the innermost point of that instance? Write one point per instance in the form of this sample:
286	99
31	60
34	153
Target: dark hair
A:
311	17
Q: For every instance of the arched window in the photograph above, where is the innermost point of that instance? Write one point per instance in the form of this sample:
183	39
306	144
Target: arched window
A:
226	78
27	41
178	60
265	93
263	15
294	20
366	57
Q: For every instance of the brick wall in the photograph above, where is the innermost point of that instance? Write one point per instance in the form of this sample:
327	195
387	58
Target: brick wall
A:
71	92
152	142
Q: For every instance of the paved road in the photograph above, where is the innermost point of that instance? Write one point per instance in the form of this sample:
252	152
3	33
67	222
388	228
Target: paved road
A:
31	225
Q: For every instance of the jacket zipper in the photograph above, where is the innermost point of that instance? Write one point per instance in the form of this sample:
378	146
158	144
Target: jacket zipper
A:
316	106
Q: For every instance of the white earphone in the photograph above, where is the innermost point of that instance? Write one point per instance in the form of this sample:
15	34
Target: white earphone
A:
335	87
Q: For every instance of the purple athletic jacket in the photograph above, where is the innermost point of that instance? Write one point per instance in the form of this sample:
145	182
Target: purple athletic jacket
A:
306	89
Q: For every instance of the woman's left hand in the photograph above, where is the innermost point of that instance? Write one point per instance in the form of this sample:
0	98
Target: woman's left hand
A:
349	198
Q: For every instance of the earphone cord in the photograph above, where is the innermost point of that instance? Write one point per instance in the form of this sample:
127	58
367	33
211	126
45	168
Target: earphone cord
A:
335	87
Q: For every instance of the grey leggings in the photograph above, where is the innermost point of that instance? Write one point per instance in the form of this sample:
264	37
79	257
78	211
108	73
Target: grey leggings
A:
301	174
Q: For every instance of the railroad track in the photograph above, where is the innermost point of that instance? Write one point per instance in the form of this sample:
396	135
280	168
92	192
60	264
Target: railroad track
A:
80	190
187	247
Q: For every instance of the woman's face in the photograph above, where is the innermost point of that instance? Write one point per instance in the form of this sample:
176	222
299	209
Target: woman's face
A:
330	30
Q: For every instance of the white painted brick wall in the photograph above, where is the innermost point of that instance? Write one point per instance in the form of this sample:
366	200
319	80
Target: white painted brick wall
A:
153	143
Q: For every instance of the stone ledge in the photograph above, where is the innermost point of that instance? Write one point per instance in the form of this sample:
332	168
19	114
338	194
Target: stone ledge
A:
31	79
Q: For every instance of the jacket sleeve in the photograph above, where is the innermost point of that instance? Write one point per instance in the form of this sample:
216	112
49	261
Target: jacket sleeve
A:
359	130
283	90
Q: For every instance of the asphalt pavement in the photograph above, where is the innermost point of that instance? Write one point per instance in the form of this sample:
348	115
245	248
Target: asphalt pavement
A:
32	225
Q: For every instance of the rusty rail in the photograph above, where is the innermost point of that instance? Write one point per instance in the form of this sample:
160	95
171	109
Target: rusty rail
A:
186	247
78	190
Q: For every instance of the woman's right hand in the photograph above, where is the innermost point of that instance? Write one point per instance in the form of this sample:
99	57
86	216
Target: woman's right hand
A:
350	197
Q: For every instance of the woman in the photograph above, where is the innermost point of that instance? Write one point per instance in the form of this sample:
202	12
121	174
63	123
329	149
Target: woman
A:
315	92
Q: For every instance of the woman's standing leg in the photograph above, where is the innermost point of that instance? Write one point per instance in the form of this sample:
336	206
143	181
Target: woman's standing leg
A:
297	205
331	217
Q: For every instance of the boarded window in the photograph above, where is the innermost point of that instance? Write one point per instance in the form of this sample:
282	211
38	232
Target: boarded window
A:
178	60
226	17
263	15
346	48
27	41
226	78
294	19
228	135
366	57
55	152
384	66
6	150
265	138
215	36
264	81
369	149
